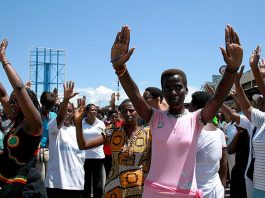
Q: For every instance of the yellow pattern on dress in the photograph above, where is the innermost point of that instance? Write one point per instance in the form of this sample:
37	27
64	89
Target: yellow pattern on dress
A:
130	162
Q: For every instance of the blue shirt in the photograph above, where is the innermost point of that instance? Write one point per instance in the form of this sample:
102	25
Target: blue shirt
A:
45	135
1	141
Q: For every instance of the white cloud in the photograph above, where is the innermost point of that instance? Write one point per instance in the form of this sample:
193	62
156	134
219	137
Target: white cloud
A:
191	91
101	95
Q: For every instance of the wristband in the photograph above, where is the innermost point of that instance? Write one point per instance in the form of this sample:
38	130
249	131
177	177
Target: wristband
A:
121	72
6	63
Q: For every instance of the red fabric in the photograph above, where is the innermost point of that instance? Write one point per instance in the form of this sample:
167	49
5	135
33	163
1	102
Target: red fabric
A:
106	147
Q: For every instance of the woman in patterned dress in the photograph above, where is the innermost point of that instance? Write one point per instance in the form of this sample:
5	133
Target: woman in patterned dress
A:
131	150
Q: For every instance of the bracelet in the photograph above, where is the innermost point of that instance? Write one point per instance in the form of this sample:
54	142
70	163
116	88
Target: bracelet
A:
120	75
6	63
122	71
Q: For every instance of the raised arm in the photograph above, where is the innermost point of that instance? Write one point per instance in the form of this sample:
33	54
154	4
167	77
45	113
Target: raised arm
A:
232	55
31	114
84	144
253	62
112	101
68	94
120	54
231	148
231	113
225	108
241	96
236	101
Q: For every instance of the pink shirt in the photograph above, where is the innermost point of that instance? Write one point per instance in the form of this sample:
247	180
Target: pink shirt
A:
174	147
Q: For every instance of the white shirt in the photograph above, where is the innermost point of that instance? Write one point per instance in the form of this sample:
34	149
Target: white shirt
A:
258	120
230	132
209	154
66	161
90	132
246	124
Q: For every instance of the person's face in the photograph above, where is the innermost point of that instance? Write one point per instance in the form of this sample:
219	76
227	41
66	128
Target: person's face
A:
149	98
174	91
129	114
100	115
113	118
46	109
92	112
15	110
69	115
261	104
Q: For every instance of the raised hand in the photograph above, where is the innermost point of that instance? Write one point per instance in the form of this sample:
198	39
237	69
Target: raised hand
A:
55	92
69	90
209	89
3	47
120	52
233	93
28	84
262	67
81	110
254	58
233	53
112	99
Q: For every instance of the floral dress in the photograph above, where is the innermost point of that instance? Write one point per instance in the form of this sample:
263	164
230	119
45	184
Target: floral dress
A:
131	159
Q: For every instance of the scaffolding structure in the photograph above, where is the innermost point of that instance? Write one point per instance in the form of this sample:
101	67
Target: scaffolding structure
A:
46	69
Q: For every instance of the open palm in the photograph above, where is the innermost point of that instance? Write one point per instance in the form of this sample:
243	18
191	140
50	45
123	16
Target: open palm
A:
233	54
81	110
120	52
69	90
3	47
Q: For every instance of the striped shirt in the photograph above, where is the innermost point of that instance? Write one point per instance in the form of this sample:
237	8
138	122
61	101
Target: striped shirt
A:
258	120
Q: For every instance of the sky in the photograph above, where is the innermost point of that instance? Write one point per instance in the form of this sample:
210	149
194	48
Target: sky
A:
166	34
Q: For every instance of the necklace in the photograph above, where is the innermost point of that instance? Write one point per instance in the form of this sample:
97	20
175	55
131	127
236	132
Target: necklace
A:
129	141
176	116
173	126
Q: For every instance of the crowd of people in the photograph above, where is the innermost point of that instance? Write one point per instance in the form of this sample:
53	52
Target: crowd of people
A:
152	145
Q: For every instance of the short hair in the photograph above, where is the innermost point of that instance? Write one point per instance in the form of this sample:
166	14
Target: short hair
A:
122	104
200	98
88	107
47	99
156	92
112	112
171	72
